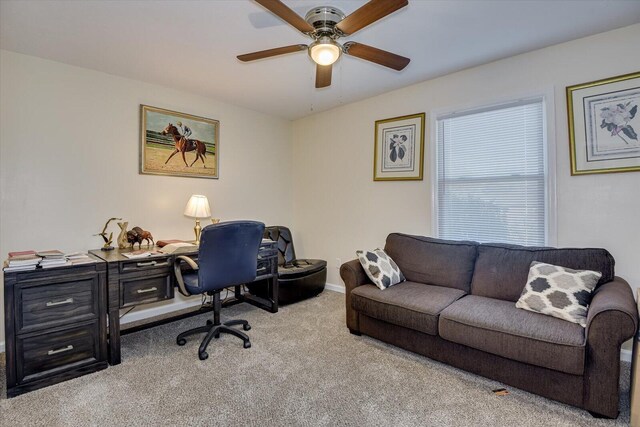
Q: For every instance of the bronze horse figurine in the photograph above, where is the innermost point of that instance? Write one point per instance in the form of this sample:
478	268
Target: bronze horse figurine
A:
182	145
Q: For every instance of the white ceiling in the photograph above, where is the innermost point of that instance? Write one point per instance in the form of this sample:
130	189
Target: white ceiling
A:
192	45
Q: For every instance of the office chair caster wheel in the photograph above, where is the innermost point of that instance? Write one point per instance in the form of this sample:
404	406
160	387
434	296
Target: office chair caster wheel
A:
247	344
246	327
203	356
181	341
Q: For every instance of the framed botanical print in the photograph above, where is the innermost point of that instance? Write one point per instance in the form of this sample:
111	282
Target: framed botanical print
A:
399	148
604	125
178	144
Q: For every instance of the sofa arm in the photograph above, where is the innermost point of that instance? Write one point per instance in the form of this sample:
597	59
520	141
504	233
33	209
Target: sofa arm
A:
612	319
353	276
614	296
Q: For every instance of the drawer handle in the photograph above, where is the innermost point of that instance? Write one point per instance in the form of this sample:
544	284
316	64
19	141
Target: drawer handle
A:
146	264
60	350
53	304
144	291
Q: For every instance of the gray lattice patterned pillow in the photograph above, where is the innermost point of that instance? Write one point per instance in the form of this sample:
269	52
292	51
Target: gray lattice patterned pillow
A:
559	292
380	268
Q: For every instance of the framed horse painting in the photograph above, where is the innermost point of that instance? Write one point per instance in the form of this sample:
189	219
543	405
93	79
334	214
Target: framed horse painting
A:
179	144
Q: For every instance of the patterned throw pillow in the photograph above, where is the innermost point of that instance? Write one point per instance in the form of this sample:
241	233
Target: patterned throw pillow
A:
559	292
380	268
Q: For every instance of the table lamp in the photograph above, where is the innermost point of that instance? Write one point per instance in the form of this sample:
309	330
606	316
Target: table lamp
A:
197	207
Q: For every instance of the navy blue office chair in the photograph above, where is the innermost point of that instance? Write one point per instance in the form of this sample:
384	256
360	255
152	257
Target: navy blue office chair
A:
227	256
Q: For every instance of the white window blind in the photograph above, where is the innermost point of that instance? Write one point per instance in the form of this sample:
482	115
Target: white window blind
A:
491	177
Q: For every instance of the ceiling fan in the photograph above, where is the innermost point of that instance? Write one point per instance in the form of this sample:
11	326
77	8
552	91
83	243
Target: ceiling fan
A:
325	25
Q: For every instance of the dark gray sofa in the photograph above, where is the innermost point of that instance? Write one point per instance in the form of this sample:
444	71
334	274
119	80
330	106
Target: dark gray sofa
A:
458	307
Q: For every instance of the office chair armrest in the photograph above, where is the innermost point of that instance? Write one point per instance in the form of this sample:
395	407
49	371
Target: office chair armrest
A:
177	269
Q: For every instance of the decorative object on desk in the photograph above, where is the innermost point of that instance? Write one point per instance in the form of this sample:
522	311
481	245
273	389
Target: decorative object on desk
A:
197	207
399	148
165	242
107	240
137	235
604	124
166	133
172	247
140	253
122	237
215	220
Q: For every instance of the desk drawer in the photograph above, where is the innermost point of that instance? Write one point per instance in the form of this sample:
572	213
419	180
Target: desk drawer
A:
144	264
52	352
56	304
144	290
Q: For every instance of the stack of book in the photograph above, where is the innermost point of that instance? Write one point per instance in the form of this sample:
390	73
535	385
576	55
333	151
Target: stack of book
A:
53	258
79	258
29	260
22	261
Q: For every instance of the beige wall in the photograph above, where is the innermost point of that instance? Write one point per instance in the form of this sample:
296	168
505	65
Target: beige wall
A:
69	158
69	141
339	209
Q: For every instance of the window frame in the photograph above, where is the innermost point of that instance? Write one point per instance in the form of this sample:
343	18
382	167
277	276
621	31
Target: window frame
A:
549	152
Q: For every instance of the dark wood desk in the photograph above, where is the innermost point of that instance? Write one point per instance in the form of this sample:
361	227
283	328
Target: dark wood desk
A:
55	325
133	282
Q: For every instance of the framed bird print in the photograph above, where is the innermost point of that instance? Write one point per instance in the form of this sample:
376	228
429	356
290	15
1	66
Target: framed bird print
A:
604	123
179	144
399	148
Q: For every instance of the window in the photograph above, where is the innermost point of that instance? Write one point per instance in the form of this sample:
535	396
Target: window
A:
491	181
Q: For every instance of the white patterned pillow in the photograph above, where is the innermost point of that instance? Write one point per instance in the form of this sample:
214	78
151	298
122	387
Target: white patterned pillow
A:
559	292
380	268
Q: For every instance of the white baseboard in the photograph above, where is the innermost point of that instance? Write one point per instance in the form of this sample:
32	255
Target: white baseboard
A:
334	288
625	355
1	346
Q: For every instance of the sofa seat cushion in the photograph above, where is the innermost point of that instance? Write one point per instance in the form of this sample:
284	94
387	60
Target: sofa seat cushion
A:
499	328
409	304
300	268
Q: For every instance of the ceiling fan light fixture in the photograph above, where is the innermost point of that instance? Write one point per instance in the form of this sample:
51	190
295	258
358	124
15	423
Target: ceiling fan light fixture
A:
325	51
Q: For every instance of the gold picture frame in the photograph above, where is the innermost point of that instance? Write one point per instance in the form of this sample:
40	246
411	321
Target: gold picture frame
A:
398	153
604	123
164	149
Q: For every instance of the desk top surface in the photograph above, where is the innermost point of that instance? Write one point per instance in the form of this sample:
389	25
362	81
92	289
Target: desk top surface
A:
116	254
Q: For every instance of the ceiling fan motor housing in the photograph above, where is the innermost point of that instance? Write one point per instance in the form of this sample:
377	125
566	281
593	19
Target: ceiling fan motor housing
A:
324	20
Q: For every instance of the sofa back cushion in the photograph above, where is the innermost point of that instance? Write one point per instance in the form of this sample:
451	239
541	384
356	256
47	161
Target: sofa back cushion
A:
501	270
433	261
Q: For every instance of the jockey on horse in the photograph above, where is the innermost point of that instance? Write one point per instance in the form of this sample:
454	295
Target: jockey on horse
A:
186	132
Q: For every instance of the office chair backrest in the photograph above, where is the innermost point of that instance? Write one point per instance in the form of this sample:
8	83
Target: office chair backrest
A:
228	254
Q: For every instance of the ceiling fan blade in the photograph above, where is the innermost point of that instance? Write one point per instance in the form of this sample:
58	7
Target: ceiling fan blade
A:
368	14
323	75
282	10
271	52
376	55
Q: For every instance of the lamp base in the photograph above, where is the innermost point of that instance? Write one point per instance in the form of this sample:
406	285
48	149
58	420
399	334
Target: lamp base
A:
197	229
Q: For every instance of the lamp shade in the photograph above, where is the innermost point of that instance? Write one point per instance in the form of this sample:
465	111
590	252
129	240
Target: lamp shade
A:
324	51
198	207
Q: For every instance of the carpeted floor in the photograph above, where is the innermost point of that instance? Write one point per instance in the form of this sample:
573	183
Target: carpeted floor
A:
304	369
